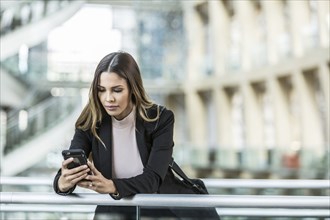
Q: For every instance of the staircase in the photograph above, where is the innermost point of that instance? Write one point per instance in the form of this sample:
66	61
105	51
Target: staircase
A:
29	22
31	134
37	122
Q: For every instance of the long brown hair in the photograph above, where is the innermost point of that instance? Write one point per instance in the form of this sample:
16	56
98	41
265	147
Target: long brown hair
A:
126	67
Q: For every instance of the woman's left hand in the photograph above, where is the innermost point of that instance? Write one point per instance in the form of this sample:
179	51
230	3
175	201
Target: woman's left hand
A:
97	182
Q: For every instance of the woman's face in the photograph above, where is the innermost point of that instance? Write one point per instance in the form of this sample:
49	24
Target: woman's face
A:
113	93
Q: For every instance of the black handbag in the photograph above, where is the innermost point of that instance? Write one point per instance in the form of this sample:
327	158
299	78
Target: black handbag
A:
196	185
186	185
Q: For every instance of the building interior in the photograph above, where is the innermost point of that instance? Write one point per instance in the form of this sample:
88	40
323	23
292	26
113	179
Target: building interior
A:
248	81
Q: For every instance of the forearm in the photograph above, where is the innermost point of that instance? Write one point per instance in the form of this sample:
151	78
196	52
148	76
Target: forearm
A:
148	182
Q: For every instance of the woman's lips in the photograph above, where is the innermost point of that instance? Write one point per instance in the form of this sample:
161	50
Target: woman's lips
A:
111	107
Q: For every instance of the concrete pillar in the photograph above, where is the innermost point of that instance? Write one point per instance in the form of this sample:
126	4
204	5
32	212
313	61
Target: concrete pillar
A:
274	26
219	24
299	19
176	104
254	151
247	19
196	117
253	117
311	128
324	77
195	37
223	107
227	156
281	112
211	115
324	22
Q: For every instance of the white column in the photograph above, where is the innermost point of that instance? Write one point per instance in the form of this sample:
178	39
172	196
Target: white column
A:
253	117
324	77
247	19
275	27
253	129
324	22
195	37
223	106
281	113
299	18
175	102
311	128
194	104
228	151
196	117
219	24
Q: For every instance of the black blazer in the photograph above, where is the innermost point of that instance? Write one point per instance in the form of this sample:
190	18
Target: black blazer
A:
155	143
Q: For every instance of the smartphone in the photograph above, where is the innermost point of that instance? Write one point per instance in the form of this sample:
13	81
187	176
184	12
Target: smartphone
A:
79	158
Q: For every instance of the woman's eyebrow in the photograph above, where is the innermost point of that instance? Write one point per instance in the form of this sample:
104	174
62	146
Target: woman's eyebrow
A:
113	87
118	86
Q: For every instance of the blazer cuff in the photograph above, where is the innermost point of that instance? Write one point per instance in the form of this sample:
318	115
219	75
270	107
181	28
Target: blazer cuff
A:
119	194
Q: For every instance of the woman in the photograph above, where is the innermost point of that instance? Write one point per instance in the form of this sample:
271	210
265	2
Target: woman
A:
129	137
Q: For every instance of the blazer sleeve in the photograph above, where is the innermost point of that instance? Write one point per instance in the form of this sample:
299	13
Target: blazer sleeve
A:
80	140
156	168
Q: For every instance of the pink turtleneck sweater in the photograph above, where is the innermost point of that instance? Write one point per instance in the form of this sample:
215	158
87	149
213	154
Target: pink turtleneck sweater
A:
126	160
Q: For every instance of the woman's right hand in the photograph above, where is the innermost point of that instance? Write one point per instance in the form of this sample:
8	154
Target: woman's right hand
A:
70	177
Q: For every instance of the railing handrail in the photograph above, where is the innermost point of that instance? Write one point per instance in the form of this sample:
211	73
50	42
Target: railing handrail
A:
261	212
169	200
209	182
268	183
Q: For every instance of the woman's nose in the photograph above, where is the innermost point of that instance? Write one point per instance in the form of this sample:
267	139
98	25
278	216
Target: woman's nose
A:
110	97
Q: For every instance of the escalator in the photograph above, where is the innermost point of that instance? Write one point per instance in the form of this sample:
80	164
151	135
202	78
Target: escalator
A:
36	121
26	24
32	133
29	22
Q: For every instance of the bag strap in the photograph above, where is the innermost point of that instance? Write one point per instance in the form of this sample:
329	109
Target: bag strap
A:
175	167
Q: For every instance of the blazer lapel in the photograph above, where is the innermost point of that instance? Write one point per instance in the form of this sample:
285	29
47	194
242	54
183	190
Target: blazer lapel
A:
140	139
105	133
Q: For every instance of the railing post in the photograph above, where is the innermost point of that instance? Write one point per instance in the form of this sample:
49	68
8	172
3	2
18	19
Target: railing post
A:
137	212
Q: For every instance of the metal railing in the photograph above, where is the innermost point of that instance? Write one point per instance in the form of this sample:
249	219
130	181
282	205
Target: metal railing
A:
209	182
227	205
234	212
169	200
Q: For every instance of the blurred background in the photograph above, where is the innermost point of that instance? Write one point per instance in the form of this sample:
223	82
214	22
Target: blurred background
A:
248	81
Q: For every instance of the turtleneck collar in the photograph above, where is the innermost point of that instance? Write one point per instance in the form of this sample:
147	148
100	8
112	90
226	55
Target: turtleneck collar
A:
125	122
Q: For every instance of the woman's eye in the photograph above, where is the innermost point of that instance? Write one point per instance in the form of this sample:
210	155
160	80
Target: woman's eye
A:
117	90
100	90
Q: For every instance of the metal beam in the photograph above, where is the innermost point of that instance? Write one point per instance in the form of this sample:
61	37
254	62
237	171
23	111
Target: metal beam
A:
256	212
170	200
161	5
35	32
210	183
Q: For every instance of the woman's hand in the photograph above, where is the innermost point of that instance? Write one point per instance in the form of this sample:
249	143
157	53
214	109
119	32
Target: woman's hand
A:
97	182
70	177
